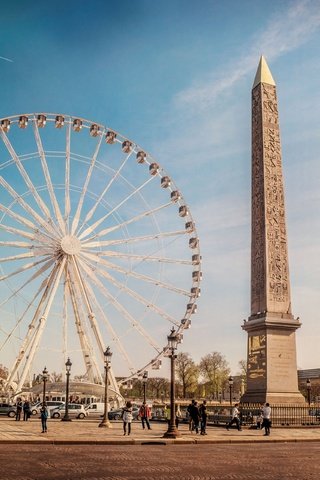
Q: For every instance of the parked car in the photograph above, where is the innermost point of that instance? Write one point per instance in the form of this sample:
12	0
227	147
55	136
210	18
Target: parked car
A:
51	405
76	410
7	409
117	414
96	408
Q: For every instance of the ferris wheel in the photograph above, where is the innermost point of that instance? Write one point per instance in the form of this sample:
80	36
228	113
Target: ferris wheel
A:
97	248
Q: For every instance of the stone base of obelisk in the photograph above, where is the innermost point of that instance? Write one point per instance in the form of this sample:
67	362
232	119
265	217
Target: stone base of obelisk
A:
272	366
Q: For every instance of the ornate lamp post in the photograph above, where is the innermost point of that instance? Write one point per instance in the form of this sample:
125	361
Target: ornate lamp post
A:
309	390
107	358
44	379
172	431
144	380
230	380
66	417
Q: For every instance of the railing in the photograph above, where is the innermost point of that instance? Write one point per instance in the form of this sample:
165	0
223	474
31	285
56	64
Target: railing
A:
281	415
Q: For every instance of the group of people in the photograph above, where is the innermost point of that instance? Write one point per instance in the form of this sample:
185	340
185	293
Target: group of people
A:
25	407
127	416
197	416
263	420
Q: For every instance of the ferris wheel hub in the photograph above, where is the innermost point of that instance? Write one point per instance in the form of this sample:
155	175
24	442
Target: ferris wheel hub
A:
70	245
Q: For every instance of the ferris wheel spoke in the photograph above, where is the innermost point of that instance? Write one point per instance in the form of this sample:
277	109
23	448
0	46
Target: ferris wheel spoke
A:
86	346
93	209
19	218
106	231
119	307
102	219
114	337
76	219
22	233
134	294
67	208
28	266
46	225
142	277
147	258
47	177
21	256
53	286
26	177
106	243
10	334
39	272
91	316
31	327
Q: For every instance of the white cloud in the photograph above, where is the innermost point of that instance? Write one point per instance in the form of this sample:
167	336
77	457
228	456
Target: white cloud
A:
284	33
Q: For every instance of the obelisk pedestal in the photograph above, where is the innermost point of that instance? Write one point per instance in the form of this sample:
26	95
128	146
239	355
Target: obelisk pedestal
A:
272	366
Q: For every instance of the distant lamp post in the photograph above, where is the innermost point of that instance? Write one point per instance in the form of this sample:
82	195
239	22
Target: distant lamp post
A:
144	380
66	417
44	379
242	387
230	380
107	363
173	340
309	390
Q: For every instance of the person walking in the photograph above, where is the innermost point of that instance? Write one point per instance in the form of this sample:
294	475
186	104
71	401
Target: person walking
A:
18	409
266	414
44	417
26	411
235	418
145	414
195	416
203	417
127	417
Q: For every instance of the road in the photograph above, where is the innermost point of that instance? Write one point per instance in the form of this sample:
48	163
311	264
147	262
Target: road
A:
161	462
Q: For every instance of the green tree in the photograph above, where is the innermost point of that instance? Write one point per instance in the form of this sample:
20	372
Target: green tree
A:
187	374
215	371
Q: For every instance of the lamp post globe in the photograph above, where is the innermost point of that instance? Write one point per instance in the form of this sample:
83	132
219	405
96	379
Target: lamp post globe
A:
230	380
107	363
309	390
173	340
66	417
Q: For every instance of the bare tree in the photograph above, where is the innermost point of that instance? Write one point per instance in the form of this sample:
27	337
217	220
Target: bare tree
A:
187	373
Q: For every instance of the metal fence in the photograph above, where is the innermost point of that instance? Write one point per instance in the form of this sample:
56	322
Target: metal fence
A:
281	416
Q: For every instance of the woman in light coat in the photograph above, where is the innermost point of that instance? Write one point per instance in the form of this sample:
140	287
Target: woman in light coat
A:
127	417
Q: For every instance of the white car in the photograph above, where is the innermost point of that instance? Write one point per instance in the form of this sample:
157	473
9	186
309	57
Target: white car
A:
96	408
76	410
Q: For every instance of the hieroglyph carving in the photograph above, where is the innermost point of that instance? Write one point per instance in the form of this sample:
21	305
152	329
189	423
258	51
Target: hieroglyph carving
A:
270	288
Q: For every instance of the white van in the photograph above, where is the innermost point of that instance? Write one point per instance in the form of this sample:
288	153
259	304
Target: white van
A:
96	408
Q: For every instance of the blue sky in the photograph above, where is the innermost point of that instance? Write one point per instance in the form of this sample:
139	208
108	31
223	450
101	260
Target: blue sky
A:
176	77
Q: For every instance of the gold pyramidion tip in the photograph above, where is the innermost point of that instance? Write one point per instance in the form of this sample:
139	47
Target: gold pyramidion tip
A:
263	74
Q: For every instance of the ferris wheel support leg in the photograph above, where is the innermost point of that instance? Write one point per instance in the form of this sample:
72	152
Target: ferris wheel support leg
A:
30	333
111	330
86	347
41	324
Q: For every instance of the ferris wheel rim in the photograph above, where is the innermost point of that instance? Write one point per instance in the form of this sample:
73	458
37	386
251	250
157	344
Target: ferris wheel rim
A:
50	117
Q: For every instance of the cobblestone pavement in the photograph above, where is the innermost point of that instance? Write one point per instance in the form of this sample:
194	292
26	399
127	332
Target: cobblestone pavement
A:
86	431
161	462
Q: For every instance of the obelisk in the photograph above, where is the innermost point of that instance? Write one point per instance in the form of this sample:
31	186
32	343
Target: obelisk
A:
271	356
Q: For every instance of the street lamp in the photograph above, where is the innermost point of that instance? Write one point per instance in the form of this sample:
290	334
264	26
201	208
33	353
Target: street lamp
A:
309	390
173	340
66	417
230	380
107	359
44	379
144	380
